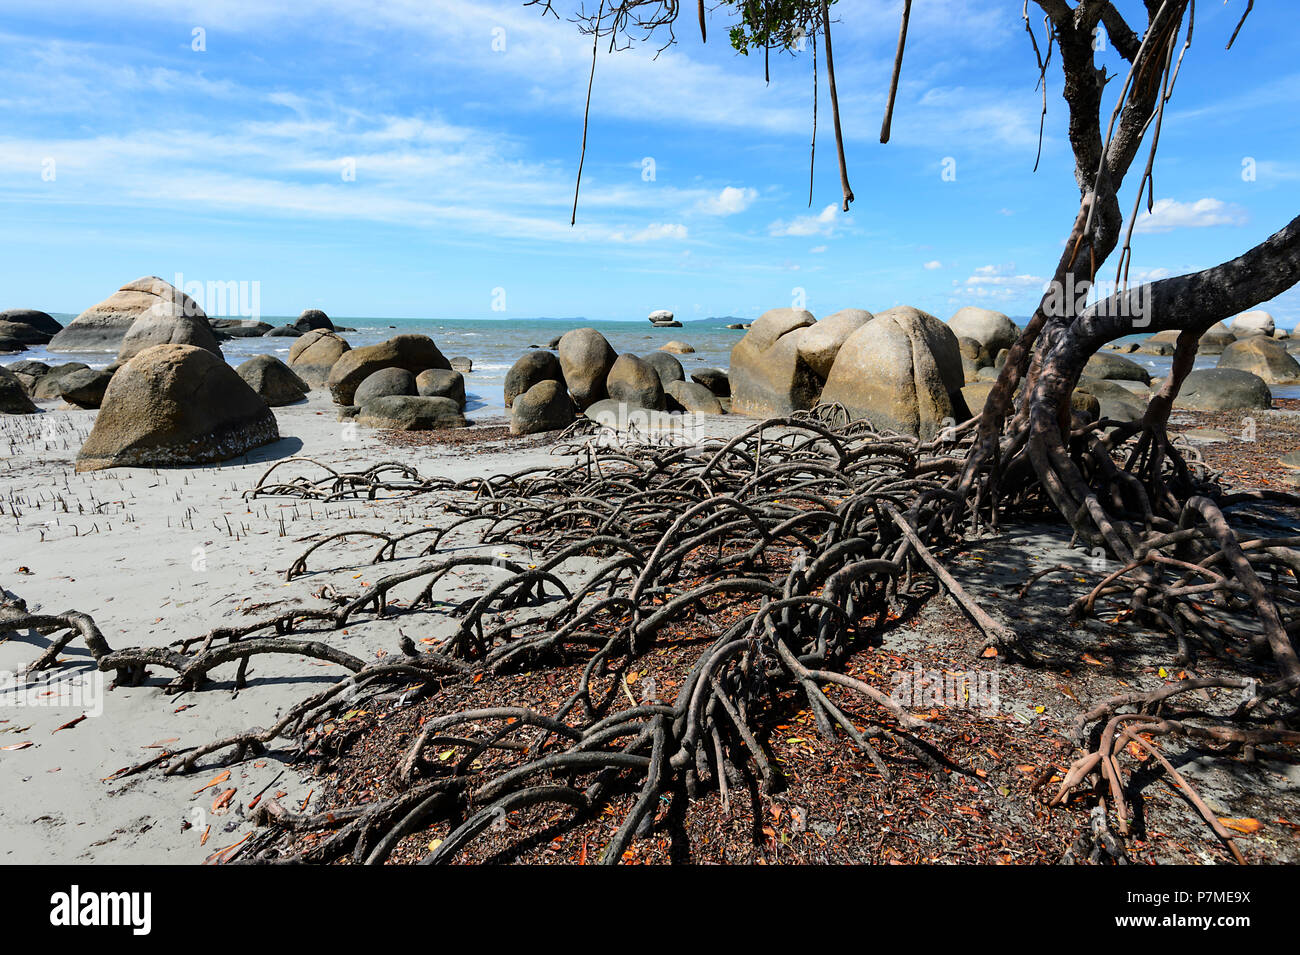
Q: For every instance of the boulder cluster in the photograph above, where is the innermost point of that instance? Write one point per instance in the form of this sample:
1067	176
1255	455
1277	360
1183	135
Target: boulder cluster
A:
169	397
404	383
901	369
545	390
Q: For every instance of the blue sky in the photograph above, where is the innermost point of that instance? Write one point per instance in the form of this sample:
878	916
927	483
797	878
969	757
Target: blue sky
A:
125	151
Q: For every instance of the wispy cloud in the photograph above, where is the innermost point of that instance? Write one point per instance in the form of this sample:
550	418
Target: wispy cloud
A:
823	223
1169	214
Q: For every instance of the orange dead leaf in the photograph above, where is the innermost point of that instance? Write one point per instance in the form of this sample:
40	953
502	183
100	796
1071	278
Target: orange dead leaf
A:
1243	825
221	777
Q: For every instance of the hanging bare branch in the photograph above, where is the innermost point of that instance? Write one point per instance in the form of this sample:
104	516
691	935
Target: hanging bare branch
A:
898	68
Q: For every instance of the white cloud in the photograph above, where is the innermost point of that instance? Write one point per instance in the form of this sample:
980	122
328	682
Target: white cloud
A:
932	265
823	223
1169	214
817	250
1000	282
728	202
654	232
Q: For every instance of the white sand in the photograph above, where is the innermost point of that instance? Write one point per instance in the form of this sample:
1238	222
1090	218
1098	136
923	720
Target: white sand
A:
124	546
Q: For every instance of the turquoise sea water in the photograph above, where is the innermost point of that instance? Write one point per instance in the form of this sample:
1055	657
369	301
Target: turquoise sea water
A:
495	344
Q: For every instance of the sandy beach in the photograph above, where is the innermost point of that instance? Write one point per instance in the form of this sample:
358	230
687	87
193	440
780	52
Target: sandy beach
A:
161	555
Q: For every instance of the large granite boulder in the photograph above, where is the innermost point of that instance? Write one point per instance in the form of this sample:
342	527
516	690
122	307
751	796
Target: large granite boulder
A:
715	379
668	367
1262	356
314	354
167	326
586	357
440	383
13	396
902	371
176	404
20	327
312	319
1257	322
820	342
534	366
636	382
678	348
1223	389
411	413
102	327
85	387
273	380
546	406
991	329
1116	368
768	376
415	353
694	397
384	383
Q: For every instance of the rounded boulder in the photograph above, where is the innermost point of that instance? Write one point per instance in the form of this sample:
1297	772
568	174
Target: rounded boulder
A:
176	404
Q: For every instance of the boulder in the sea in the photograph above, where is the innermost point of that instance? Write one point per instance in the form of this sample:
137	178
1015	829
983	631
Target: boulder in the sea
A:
411	413
461	364
532	367
902	371
273	380
20	327
768	376
176	404
636	382
1223	389
1262	356
286	331
238	327
441	383
13	396
312	319
586	357
678	348
313	355
415	353
546	406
